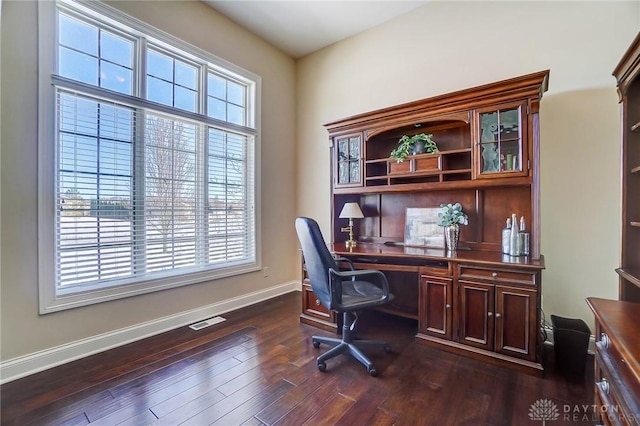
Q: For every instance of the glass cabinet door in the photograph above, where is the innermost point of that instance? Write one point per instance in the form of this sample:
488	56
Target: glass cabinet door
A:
349	160
501	146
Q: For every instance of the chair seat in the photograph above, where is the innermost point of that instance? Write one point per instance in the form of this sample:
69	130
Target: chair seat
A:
362	294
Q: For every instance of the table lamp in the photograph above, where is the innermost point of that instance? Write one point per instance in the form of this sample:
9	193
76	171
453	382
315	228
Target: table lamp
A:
350	211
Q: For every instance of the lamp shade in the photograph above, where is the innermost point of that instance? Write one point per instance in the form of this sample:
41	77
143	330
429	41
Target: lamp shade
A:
351	211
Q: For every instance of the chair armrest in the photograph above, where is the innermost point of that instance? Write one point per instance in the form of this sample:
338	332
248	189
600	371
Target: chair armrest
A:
344	259
360	273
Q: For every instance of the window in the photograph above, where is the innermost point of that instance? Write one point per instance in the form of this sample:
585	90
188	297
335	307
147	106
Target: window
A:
147	160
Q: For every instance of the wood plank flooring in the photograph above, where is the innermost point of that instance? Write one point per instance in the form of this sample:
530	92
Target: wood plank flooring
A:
258	368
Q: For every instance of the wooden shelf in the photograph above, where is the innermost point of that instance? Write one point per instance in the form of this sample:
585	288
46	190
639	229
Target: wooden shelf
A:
433	186
631	275
419	169
505	140
627	75
447	152
456	171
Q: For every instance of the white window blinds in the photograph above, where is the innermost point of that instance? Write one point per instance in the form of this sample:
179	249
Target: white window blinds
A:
144	194
147	159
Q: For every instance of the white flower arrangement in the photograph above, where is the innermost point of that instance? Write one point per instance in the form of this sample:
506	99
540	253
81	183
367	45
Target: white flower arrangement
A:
451	214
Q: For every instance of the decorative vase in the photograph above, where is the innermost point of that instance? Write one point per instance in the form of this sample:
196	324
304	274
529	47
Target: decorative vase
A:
451	236
418	148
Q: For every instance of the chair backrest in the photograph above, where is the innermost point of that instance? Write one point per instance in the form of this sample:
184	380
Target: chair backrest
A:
317	258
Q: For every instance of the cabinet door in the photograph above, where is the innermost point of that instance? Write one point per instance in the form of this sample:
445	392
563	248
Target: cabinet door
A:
348	160
435	316
501	136
515	319
475	316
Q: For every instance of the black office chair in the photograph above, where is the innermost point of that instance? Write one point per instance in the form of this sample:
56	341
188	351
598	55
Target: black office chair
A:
344	292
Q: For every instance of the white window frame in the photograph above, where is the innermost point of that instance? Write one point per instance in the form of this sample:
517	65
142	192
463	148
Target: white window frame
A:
52	298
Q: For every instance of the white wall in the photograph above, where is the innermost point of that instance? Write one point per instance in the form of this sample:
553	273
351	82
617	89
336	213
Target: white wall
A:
447	46
23	331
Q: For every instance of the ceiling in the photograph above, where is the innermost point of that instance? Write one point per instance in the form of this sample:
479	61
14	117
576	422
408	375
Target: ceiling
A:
299	27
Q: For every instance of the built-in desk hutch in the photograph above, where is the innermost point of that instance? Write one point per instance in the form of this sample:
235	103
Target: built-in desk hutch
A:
475	301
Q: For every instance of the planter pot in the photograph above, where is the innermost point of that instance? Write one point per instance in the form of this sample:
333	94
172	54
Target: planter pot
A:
403	167
451	236
418	148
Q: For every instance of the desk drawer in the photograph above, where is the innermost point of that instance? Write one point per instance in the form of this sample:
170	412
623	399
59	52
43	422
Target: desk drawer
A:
497	275
311	304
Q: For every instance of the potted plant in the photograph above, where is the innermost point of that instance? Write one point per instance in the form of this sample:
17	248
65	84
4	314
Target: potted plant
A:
416	144
451	217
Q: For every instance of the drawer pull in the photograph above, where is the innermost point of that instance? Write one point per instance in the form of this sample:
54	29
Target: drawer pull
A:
498	316
317	302
448	306
494	275
605	340
604	385
489	314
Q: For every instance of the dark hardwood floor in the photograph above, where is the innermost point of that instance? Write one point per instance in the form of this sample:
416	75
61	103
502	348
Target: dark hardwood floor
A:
259	368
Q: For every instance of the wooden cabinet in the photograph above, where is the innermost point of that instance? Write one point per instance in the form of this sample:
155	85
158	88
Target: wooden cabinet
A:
475	315
501	141
436	306
627	74
348	160
501	117
617	361
516	323
487	160
499	317
314	312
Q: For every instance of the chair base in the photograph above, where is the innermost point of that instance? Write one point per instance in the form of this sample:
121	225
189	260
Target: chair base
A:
348	345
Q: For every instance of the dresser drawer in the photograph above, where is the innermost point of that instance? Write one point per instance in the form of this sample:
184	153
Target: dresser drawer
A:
616	389
609	409
497	275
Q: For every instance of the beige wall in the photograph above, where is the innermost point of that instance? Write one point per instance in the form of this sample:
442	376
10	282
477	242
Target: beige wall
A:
436	49
446	46
23	331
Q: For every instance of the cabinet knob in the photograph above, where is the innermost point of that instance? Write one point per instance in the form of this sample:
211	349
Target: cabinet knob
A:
317	302
494	275
605	340
489	314
604	385
498	316
448	306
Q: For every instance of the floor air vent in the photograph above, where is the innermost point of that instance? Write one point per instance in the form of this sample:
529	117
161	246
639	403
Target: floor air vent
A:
206	323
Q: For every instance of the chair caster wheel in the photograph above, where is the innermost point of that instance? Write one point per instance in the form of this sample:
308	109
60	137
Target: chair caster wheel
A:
372	372
322	366
316	344
387	349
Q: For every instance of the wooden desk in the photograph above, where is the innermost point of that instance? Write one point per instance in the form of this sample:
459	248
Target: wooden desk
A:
476	303
617	361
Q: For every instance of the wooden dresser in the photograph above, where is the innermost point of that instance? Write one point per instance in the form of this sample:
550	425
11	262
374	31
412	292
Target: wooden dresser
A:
617	361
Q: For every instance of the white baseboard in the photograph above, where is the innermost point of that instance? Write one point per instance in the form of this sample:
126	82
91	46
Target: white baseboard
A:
39	361
550	340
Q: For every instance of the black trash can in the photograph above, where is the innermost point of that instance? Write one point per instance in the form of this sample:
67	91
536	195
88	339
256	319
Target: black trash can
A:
570	344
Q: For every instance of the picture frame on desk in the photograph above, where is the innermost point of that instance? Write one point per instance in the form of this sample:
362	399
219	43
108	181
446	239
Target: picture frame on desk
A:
421	228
